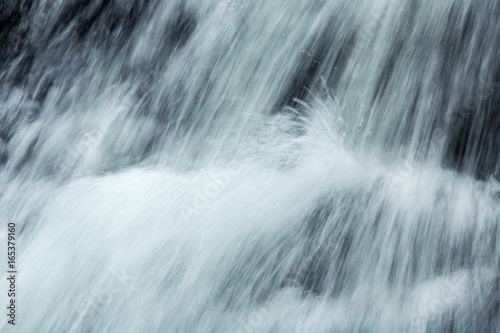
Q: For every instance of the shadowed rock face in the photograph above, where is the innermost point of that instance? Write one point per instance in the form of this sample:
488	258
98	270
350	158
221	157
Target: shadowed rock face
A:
473	142
473	145
14	28
45	38
41	37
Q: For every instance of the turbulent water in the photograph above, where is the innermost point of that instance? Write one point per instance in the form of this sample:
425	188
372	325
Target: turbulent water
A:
251	165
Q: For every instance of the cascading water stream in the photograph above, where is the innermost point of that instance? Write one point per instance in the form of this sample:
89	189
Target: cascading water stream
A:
251	166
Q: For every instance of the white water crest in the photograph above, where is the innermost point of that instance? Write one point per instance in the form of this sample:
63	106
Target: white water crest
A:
251	166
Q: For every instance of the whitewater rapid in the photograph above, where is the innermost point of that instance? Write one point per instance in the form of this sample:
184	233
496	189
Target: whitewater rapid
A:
251	166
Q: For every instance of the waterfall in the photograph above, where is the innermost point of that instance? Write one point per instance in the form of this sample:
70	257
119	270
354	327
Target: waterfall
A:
250	166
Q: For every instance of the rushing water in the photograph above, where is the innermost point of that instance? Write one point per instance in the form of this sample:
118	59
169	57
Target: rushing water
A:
251	166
